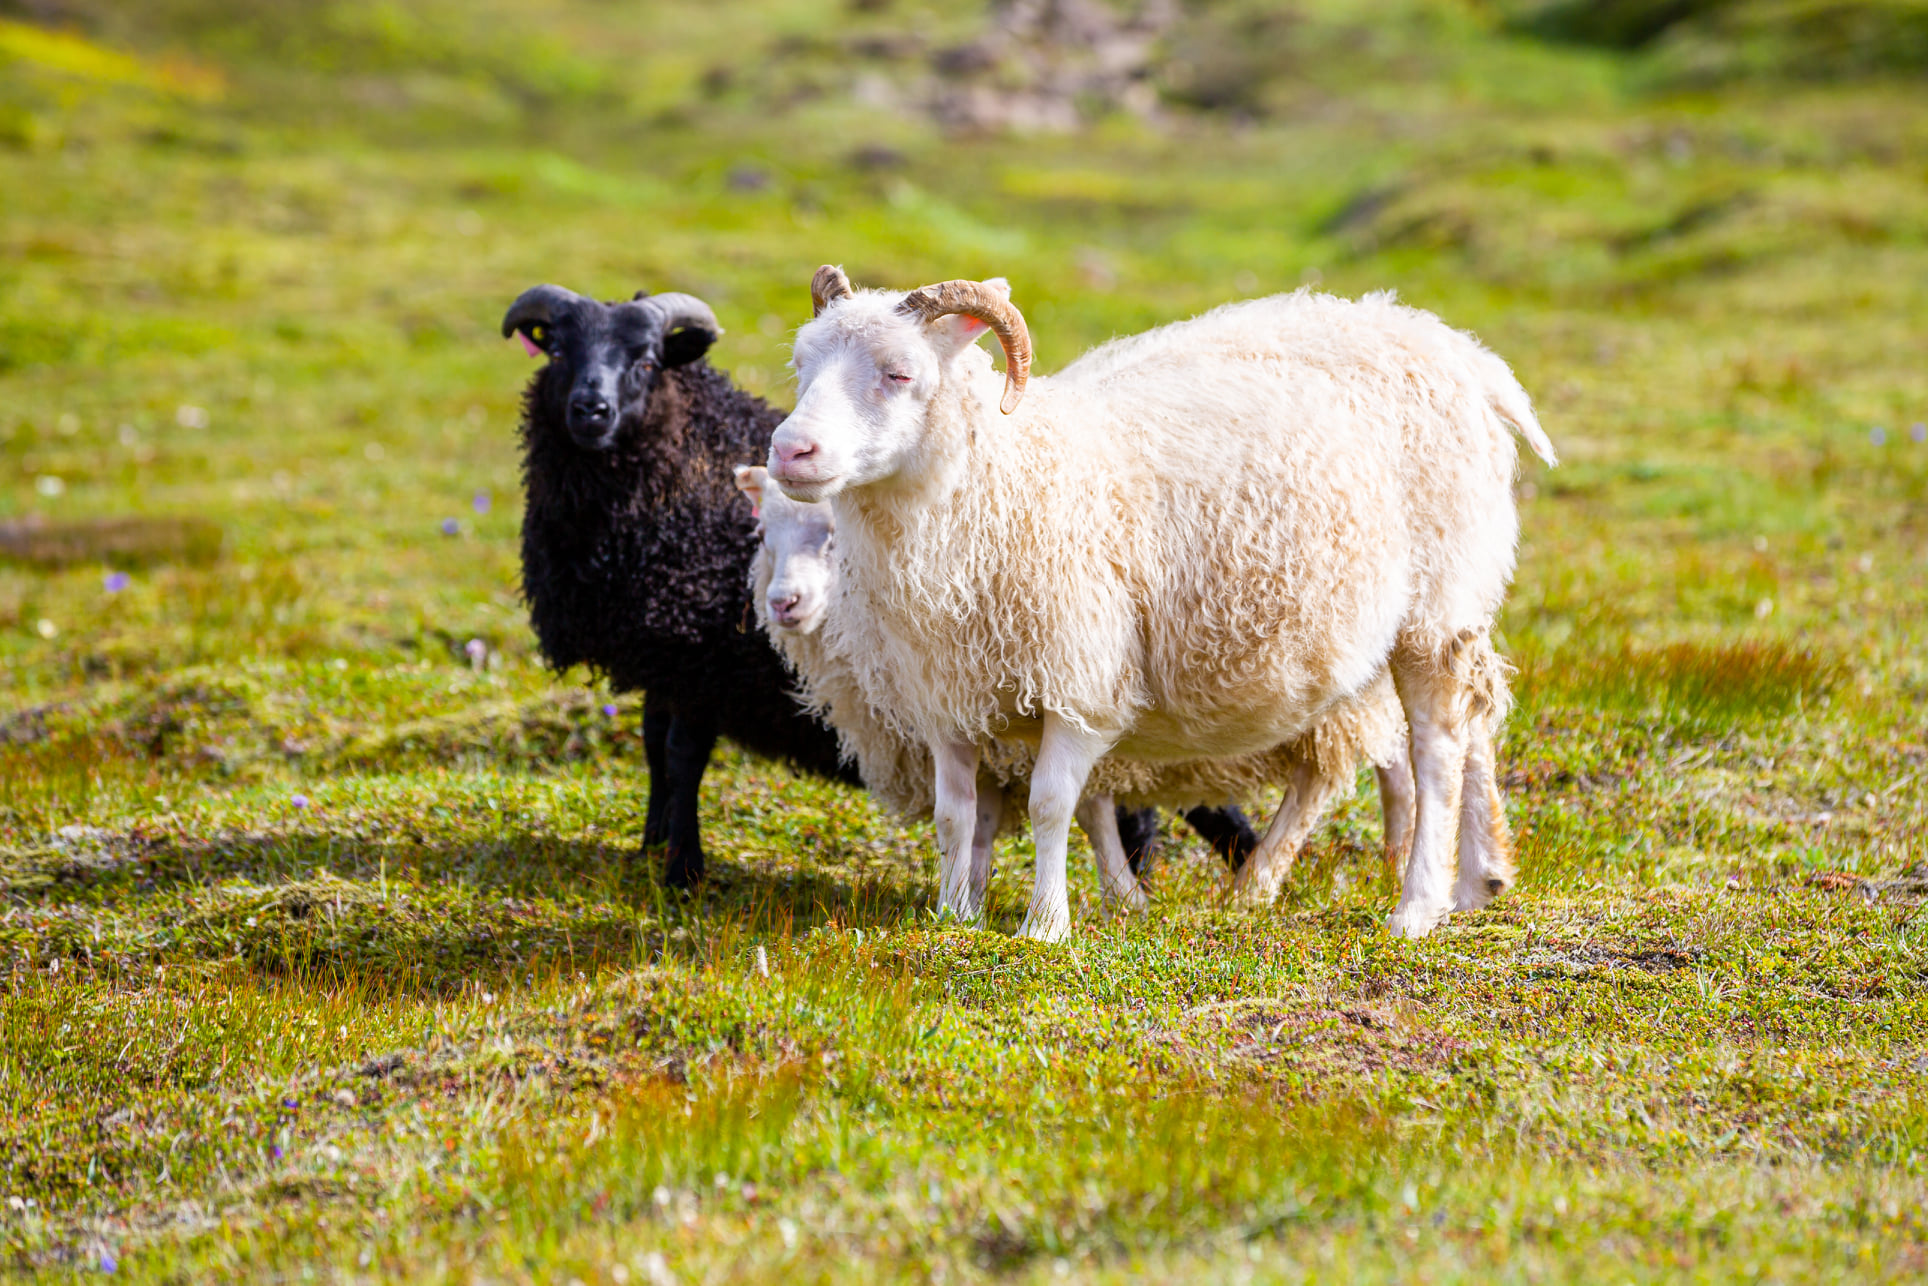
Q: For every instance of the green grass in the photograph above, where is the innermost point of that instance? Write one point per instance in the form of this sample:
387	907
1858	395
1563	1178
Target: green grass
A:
326	953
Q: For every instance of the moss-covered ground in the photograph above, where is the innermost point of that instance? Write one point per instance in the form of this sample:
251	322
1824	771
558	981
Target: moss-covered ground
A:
325	949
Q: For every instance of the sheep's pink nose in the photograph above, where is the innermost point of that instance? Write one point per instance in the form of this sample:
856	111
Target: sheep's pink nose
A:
793	450
785	609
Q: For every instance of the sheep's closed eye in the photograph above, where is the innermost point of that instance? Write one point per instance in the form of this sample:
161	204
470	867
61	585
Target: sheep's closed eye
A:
895	378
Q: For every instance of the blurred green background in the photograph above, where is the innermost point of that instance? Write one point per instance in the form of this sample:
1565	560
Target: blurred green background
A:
269	820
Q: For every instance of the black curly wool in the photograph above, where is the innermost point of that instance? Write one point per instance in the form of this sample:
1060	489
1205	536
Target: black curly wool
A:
636	560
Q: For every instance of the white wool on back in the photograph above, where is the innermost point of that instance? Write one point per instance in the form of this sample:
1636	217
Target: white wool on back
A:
1207	538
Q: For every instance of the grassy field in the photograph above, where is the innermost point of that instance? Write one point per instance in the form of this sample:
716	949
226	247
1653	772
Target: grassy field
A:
325	950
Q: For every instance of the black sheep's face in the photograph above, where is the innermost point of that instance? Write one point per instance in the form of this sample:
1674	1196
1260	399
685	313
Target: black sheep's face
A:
610	357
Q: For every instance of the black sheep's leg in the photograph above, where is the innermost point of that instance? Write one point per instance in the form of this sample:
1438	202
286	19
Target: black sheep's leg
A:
1138	831
656	721
1227	830
692	735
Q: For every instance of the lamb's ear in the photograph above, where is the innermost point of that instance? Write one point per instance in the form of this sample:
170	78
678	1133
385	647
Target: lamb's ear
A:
641	294
750	480
689	327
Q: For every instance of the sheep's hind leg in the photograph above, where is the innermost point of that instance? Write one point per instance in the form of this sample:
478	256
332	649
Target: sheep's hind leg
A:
1396	807
1485	846
692	735
1099	818
1307	793
1065	757
1436	723
990	814
956	815
1137	835
1228	831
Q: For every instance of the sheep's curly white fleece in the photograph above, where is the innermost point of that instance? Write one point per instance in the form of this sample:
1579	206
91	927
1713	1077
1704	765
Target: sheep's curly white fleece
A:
1210	534
898	772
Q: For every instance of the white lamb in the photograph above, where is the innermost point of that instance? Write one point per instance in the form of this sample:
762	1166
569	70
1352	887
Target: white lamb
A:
1192	542
793	581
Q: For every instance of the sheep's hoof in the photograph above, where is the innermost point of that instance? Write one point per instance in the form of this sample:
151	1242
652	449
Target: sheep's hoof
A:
962	916
1047	926
1255	892
1472	894
1415	922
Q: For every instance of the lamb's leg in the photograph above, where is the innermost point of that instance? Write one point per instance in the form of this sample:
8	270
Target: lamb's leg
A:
692	735
1099	818
1396	808
1138	835
1307	794
1436	723
1065	756
1485	846
956	817
1228	831
656	721
990	813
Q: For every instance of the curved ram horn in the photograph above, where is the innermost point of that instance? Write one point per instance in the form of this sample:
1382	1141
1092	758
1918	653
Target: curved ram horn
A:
990	306
680	311
536	306
828	286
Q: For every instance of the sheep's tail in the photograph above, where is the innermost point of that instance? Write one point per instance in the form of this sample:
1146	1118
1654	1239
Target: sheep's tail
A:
1510	402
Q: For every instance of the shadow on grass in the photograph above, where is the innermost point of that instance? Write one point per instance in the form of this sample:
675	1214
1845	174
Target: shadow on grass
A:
415	918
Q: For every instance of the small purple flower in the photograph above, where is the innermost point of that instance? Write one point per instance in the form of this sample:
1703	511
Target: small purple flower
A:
482	502
299	801
1918	431
108	1263
450	527
291	1104
1878	435
609	711
115	582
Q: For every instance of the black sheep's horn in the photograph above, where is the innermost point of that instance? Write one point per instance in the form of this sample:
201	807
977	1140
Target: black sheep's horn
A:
681	312
536	306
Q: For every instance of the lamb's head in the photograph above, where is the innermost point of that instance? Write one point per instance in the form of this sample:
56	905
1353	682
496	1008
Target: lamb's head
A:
871	365
798	552
605	359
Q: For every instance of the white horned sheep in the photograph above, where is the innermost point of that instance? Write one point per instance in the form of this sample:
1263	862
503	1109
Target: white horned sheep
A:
793	583
1192	542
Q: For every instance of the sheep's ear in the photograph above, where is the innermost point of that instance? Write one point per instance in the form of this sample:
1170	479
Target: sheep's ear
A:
681	347
641	294
955	333
750	480
689	327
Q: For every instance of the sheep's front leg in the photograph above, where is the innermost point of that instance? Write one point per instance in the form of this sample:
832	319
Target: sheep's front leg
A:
692	735
1436	724
1099	818
956	817
656	721
990	814
1065	757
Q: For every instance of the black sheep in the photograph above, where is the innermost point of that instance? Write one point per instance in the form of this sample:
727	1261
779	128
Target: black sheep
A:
636	544
636	548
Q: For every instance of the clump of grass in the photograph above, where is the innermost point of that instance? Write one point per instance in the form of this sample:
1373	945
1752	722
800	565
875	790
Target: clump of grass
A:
1704	686
117	542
